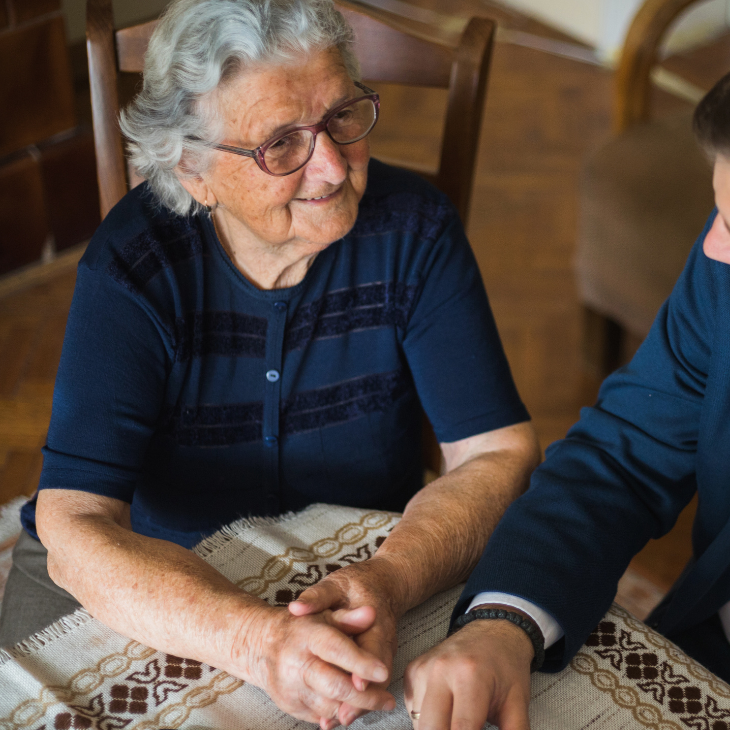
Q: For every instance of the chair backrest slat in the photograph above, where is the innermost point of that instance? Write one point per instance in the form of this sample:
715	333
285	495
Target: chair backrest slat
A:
390	55
132	45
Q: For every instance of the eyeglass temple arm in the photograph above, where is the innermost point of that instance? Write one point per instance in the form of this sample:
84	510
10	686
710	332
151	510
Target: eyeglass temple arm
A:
366	89
225	147
235	150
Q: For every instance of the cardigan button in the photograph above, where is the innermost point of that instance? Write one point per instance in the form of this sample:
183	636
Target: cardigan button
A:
280	306
272	375
271	441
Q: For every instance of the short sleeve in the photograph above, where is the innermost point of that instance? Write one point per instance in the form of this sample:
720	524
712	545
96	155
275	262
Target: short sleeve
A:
109	390
453	347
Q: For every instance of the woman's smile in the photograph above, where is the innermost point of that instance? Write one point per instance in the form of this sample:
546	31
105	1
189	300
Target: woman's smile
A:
321	199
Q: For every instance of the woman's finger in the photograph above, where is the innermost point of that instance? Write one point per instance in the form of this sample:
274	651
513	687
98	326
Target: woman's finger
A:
318	598
330	684
348	714
353	621
375	641
333	647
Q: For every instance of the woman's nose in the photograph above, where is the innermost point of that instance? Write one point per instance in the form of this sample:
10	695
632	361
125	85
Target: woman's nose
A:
327	162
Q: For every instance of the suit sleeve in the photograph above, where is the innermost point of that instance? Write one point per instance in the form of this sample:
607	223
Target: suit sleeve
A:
620	477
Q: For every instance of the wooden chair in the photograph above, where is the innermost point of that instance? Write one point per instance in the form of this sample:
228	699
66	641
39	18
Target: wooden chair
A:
391	49
645	196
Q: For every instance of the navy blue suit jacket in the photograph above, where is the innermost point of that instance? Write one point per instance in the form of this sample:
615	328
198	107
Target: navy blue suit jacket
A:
659	432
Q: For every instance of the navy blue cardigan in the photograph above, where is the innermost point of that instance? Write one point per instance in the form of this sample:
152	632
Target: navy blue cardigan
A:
198	398
659	432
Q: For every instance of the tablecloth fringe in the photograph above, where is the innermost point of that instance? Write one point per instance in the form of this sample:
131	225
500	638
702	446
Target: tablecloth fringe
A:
38	641
216	541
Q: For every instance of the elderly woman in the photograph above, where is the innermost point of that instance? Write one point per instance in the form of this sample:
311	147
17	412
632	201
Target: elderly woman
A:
254	329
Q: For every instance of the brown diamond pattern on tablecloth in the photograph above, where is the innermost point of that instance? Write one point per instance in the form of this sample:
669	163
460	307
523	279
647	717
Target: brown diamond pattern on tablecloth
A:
668	687
642	665
128	699
67	721
685	700
177	667
603	635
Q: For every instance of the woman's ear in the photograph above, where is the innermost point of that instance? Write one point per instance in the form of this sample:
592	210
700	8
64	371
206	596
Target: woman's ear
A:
198	188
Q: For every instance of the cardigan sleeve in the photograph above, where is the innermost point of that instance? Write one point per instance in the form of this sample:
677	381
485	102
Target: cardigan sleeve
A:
109	389
620	477
453	348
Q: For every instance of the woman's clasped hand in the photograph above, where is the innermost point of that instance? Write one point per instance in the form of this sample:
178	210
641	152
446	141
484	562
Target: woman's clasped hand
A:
309	665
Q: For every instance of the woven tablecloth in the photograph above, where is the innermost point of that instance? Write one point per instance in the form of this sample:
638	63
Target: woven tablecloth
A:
80	675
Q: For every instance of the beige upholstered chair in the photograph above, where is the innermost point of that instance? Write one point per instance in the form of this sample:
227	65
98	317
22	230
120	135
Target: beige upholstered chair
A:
645	196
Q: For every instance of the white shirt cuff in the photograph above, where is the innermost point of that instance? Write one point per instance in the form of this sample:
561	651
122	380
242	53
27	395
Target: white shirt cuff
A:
550	628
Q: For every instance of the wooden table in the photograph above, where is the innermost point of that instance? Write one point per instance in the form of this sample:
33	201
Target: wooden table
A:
80	675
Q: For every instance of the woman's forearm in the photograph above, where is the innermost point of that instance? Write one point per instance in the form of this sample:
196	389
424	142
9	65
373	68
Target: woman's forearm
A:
446	525
151	590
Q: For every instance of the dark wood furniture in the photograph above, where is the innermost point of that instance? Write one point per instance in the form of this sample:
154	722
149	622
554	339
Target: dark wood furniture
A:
391	49
47	173
645	196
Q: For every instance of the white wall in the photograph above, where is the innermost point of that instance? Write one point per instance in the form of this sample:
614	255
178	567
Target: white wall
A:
579	18
603	23
126	12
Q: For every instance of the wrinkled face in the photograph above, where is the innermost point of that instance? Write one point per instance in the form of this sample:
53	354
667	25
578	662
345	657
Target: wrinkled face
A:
717	242
313	206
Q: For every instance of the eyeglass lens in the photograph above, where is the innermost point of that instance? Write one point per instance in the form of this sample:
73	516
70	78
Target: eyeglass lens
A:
347	126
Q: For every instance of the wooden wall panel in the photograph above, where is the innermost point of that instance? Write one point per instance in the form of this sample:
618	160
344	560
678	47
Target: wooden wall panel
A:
37	97
3	15
25	10
71	190
23	224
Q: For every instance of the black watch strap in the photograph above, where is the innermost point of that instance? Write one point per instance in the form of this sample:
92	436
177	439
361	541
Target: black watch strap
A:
527	625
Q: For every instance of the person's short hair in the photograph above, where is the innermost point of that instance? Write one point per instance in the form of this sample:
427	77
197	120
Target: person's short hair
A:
199	46
711	121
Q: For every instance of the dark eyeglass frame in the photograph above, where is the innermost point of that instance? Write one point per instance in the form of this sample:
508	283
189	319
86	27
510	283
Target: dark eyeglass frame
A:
258	153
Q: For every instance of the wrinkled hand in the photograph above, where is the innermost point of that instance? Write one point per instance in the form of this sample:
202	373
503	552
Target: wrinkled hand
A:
481	673
304	664
362	586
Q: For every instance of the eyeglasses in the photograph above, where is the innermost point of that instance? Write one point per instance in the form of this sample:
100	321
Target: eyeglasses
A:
290	150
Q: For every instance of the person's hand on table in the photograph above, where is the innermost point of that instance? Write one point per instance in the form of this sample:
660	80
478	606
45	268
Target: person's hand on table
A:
481	673
362	586
305	663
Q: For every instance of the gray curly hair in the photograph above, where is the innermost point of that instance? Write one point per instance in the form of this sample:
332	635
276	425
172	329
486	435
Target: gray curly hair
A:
196	48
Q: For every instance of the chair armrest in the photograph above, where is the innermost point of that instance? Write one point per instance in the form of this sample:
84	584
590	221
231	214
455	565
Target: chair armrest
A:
639	54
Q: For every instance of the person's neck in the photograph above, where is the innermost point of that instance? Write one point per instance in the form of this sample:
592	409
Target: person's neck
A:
266	266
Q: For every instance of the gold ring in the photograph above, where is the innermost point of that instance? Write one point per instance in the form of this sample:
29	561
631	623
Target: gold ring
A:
415	715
